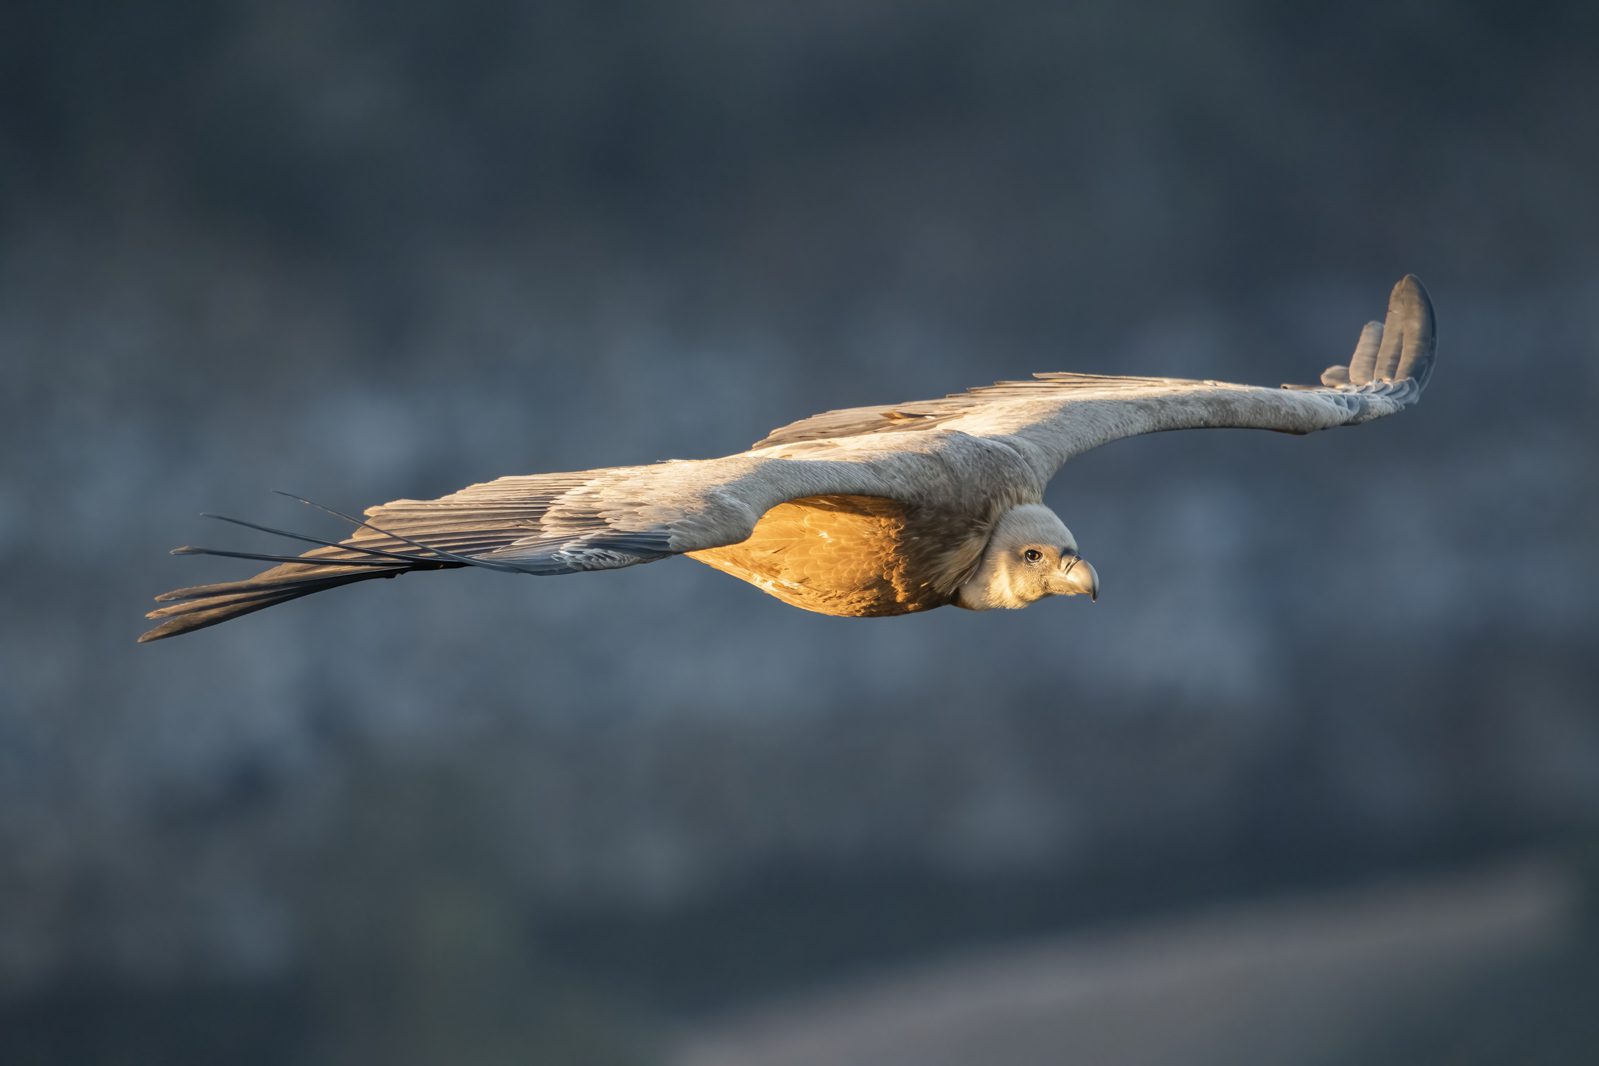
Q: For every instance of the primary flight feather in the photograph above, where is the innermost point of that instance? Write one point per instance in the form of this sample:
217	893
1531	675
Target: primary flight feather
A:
860	512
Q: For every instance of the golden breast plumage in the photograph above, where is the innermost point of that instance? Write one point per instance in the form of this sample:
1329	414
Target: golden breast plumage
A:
855	556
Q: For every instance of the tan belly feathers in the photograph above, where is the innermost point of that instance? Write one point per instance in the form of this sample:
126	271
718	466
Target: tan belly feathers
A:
854	556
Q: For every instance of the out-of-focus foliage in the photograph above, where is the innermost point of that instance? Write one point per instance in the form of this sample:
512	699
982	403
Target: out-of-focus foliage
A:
364	251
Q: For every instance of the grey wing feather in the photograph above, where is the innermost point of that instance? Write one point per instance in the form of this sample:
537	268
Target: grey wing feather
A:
931	414
1056	416
536	524
1403	349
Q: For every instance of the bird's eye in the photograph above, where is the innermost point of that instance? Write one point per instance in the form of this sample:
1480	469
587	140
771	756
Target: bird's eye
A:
1032	555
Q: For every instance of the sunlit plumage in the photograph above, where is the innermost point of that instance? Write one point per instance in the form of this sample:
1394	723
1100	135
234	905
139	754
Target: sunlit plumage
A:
865	511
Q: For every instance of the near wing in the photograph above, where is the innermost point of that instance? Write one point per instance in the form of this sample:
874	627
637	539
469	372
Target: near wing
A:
1057	416
537	524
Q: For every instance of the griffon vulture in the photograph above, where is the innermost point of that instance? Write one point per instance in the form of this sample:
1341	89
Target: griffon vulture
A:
860	512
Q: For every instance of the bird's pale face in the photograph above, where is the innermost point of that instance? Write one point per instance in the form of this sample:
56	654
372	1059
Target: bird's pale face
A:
1030	555
1040	569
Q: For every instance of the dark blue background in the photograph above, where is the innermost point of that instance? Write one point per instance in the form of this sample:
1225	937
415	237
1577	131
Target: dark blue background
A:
368	250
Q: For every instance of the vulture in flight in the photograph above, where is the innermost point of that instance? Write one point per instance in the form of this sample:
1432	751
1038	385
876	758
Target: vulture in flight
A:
861	512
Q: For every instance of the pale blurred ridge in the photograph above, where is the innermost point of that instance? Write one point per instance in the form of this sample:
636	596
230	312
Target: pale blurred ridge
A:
1304	980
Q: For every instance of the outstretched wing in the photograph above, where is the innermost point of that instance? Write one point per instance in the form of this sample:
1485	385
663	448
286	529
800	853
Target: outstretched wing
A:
1057	416
989	447
544	524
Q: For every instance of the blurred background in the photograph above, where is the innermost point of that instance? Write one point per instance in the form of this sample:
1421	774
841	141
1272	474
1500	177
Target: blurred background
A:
1316	781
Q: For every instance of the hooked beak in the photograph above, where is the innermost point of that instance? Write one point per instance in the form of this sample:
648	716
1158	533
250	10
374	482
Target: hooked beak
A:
1076	578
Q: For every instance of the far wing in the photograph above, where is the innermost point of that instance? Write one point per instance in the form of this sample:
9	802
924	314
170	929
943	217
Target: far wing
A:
1057	416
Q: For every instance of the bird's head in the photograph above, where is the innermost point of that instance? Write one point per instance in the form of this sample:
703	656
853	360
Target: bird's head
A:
1031	554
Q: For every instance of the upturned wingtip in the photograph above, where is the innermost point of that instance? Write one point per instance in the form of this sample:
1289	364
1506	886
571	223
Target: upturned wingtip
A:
1409	290
1412	320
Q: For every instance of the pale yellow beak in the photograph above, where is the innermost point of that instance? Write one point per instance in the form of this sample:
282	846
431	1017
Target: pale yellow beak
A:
1076	577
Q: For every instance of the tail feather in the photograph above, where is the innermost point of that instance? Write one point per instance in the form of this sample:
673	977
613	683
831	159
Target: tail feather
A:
267	557
276	579
342	546
329	565
505	525
201	619
362	525
188	609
